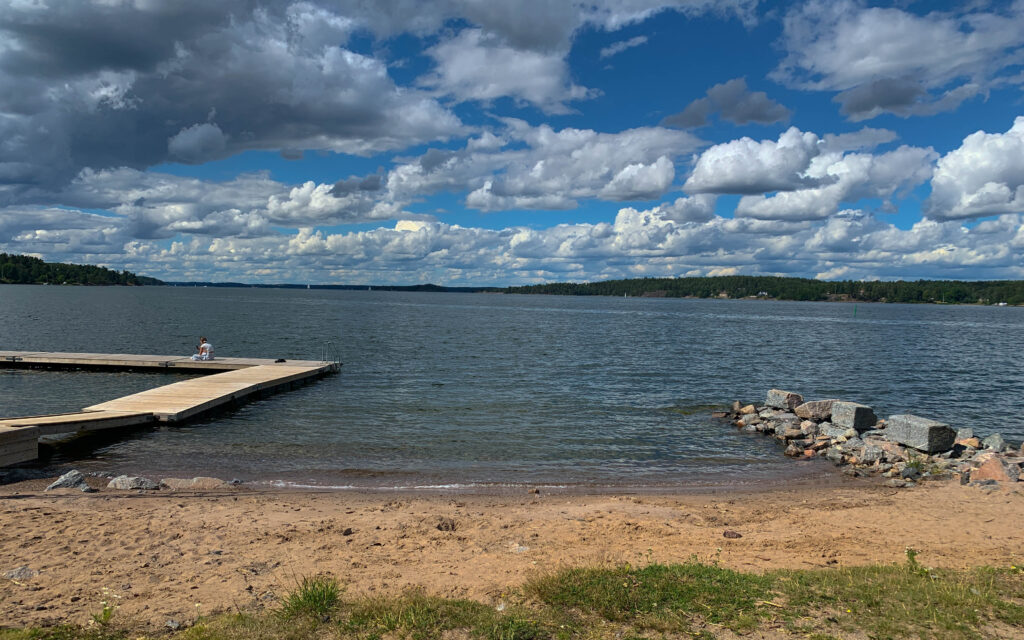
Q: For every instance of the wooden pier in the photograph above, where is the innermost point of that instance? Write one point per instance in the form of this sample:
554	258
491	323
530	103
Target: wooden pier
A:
229	380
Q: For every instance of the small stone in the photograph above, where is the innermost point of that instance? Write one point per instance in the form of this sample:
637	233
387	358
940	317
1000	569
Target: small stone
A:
994	442
896	483
792	434
793	451
21	573
909	473
852	472
747	410
834	455
126	483
446	524
830	430
750	419
732	535
964	433
852	415
71	480
719	414
972	443
172	624
736	406
348	531
535	491
779	399
815	410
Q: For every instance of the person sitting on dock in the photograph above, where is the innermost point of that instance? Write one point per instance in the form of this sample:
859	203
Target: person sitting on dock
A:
205	350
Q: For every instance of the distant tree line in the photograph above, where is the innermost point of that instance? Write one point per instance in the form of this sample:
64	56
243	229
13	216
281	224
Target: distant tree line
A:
16	269
923	291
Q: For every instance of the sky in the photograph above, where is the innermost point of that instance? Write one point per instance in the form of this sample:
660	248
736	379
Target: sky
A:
474	142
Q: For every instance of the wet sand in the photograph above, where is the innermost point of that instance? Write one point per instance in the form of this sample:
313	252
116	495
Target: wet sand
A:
157	555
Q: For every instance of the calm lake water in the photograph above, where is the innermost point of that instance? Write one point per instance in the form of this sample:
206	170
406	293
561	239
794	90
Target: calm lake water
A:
478	390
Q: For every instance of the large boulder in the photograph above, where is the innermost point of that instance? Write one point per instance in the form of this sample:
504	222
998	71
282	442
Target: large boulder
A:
851	415
999	469
920	433
71	480
815	410
126	483
779	399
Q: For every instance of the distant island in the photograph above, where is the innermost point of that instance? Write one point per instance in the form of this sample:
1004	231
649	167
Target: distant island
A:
17	269
1009	292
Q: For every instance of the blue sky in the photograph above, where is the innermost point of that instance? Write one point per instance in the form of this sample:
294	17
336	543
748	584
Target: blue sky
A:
464	142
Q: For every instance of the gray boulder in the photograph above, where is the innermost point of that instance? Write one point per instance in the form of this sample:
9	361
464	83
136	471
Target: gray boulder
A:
779	399
920	433
994	442
126	483
851	415
71	480
815	410
830	430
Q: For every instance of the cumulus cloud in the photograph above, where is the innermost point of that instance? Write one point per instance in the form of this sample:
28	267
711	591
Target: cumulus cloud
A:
541	168
475	65
746	166
732	101
78	94
982	177
888	60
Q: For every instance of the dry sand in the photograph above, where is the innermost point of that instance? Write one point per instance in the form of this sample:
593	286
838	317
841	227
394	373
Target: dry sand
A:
158	555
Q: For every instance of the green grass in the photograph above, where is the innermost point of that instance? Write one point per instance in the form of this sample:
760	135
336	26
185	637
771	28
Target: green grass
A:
690	600
315	597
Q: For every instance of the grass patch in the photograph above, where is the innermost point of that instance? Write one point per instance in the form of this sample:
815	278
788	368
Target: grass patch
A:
690	600
662	597
315	597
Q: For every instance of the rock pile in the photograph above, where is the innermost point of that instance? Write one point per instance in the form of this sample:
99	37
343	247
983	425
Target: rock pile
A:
904	448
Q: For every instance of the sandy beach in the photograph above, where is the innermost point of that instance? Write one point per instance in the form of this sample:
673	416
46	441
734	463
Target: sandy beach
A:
166	555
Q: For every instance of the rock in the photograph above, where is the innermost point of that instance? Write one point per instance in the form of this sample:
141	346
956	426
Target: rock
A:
852	472
736	406
851	415
920	433
896	483
792	434
779	399
793	451
21	573
445	523
747	410
126	483
994	442
830	430
910	473
815	410
998	469
964	434
172	624
971	443
71	480
871	454
749	420
834	455
732	535
199	483
719	414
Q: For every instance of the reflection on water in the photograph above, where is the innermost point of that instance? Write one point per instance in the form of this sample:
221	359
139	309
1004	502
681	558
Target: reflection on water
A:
442	389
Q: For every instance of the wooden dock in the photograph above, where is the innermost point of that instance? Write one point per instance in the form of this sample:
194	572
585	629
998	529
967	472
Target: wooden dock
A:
229	380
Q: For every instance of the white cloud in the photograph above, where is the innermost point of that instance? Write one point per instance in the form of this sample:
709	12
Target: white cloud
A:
889	60
983	177
476	66
622	45
747	166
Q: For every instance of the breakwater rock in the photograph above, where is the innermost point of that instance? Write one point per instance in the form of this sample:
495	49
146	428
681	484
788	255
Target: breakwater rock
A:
904	448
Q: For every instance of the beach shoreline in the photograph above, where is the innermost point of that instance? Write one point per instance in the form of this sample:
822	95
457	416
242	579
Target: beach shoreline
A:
164	555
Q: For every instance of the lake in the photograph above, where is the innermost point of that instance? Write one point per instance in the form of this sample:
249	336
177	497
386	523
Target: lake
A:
483	390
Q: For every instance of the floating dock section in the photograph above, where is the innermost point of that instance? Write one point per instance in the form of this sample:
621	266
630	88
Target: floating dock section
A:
229	380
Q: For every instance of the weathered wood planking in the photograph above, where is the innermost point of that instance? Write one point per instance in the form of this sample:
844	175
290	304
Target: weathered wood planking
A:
239	378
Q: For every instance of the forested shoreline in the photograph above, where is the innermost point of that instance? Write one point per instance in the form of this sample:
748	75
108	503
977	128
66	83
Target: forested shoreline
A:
17	269
1010	292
